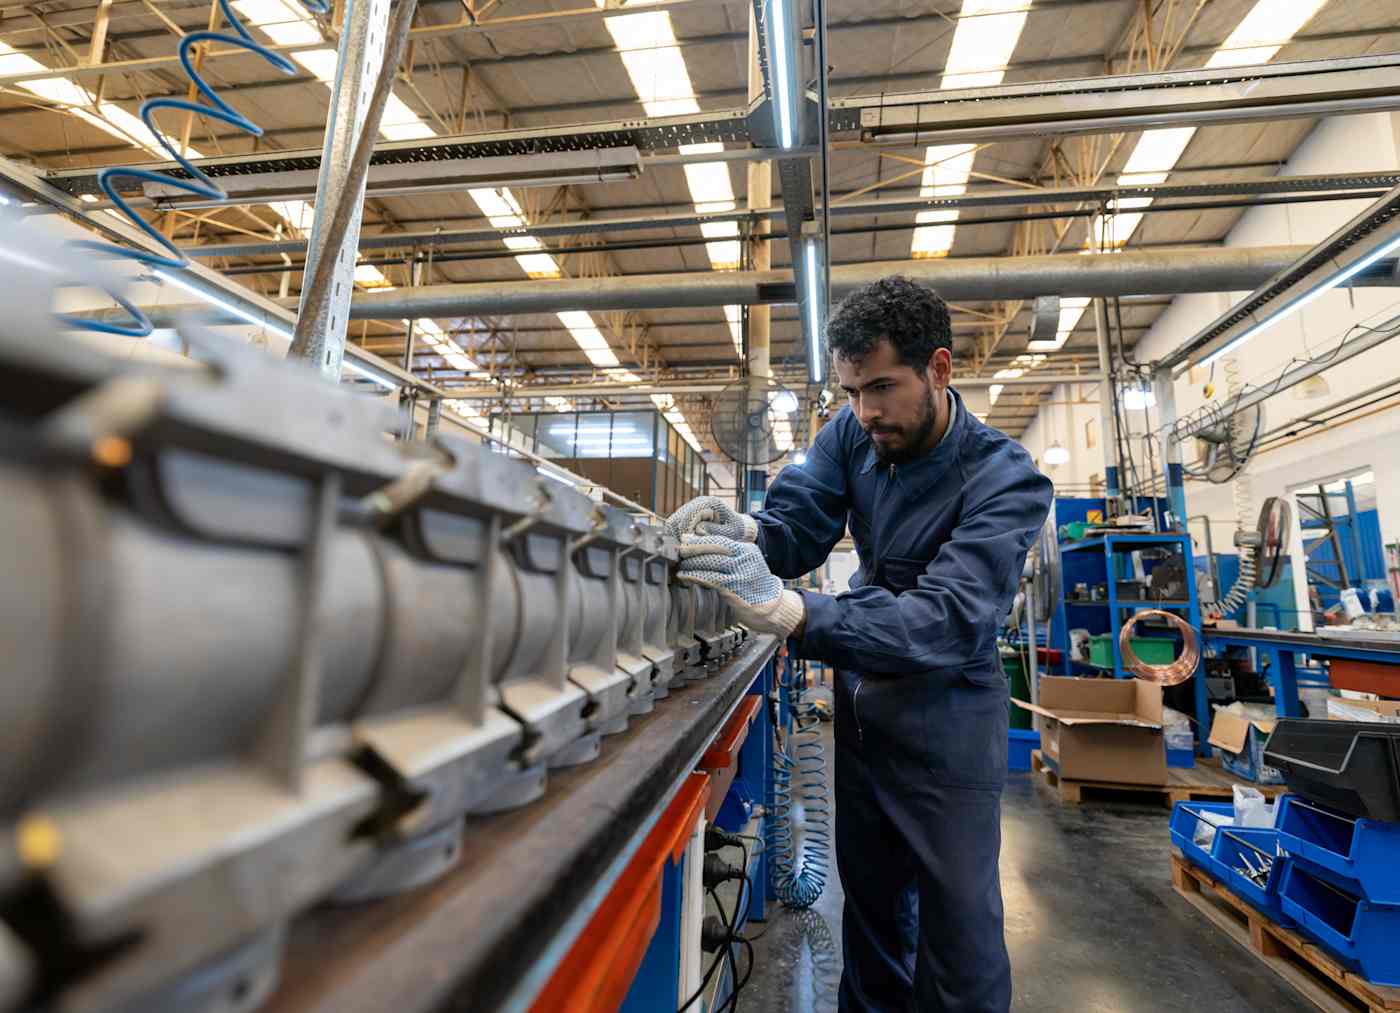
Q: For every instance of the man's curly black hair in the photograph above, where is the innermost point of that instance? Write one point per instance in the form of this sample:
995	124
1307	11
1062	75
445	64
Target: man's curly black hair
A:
911	316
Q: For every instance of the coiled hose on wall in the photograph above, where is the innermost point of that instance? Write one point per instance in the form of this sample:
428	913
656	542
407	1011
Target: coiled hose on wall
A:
195	182
799	872
1243	492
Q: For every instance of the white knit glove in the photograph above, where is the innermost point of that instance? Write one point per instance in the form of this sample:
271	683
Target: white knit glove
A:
710	515
739	573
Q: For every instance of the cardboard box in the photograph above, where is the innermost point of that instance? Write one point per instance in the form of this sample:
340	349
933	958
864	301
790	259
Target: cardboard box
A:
1241	744
1382	711
1102	729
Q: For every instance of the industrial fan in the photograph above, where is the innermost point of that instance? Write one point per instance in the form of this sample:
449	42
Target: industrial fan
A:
1272	535
1044	566
755	420
1261	554
1225	446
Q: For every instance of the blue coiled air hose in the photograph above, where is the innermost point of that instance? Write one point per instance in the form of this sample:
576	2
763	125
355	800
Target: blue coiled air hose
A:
799	776
195	182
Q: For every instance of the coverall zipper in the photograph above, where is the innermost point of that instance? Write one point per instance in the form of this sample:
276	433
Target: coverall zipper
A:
855	710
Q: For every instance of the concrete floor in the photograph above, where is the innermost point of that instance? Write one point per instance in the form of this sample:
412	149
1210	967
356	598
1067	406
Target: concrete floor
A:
1092	923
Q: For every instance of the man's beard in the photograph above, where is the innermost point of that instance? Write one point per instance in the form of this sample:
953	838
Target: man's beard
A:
917	441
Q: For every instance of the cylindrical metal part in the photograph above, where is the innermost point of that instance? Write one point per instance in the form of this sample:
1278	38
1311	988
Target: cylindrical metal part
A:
201	642
1129	272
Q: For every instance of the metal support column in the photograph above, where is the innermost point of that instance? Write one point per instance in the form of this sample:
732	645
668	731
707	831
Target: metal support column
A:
1165	392
1108	416
361	53
758	348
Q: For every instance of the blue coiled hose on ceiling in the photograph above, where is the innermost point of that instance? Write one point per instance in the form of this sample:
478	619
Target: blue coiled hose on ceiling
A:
798	872
198	183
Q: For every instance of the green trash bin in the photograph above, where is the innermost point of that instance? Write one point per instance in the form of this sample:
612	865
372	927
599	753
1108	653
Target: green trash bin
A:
1020	689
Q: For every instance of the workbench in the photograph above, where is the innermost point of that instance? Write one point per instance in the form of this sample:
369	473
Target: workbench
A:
1282	648
491	934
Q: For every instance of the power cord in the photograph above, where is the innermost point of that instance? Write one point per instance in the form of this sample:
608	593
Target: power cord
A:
727	950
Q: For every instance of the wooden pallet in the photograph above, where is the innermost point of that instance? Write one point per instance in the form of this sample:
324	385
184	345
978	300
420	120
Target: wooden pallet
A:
1320	979
1204	781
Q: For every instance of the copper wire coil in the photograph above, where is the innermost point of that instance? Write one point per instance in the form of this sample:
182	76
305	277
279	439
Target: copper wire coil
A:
1177	671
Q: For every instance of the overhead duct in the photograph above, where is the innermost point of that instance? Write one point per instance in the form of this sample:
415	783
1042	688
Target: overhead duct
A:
1045	318
1155	272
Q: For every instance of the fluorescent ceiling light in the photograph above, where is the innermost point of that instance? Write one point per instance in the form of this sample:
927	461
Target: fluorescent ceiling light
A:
349	364
784	61
1265	30
174	278
1298	302
815	365
1256	39
983	42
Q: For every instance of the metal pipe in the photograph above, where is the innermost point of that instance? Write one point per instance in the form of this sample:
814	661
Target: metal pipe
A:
1157	272
1311	186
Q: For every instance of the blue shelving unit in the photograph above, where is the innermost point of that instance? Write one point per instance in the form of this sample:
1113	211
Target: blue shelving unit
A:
1100	560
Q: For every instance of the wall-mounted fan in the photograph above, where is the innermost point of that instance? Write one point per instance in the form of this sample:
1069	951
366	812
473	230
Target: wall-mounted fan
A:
755	420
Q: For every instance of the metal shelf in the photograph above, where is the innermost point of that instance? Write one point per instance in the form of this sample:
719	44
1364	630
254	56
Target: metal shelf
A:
1126	542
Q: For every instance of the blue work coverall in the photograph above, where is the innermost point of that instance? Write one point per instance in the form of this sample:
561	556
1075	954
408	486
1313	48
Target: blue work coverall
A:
921	699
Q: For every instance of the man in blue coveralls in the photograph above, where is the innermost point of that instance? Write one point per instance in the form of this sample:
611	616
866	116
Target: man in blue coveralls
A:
942	510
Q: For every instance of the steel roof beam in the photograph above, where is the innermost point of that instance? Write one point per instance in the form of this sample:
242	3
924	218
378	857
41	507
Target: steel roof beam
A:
1316	184
1093	105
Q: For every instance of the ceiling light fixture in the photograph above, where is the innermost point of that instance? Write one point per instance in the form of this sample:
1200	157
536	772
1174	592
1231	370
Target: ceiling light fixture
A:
783	50
815	361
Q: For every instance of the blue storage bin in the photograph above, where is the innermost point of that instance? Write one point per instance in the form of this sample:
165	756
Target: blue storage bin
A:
1362	855
1181	757
1232	842
1360	934
1020	743
1183	829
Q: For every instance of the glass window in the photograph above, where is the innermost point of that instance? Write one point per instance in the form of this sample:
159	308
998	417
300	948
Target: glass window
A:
593	436
524	436
555	435
663	438
632	434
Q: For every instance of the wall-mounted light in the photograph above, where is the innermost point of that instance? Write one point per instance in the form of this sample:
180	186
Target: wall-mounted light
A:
785	71
816	362
1138	398
1055	455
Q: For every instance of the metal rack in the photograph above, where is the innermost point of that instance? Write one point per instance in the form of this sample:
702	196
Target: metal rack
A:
1112	547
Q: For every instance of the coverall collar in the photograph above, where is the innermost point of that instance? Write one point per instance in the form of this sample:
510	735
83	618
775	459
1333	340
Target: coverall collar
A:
924	469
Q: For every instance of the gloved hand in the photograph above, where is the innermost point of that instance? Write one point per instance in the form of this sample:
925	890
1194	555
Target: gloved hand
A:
710	515
739	573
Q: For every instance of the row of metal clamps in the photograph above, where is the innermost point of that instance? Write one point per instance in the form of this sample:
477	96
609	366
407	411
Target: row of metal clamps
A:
259	655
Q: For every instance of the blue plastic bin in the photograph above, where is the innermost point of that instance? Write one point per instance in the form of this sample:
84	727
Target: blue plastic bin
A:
1183	830
1360	934
1232	842
1020	743
1361	855
1181	757
1249	764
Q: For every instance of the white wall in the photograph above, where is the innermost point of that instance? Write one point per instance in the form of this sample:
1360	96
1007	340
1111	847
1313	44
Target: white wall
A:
1068	416
1340	144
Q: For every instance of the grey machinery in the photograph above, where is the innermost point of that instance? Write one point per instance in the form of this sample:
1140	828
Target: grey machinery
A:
260	655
